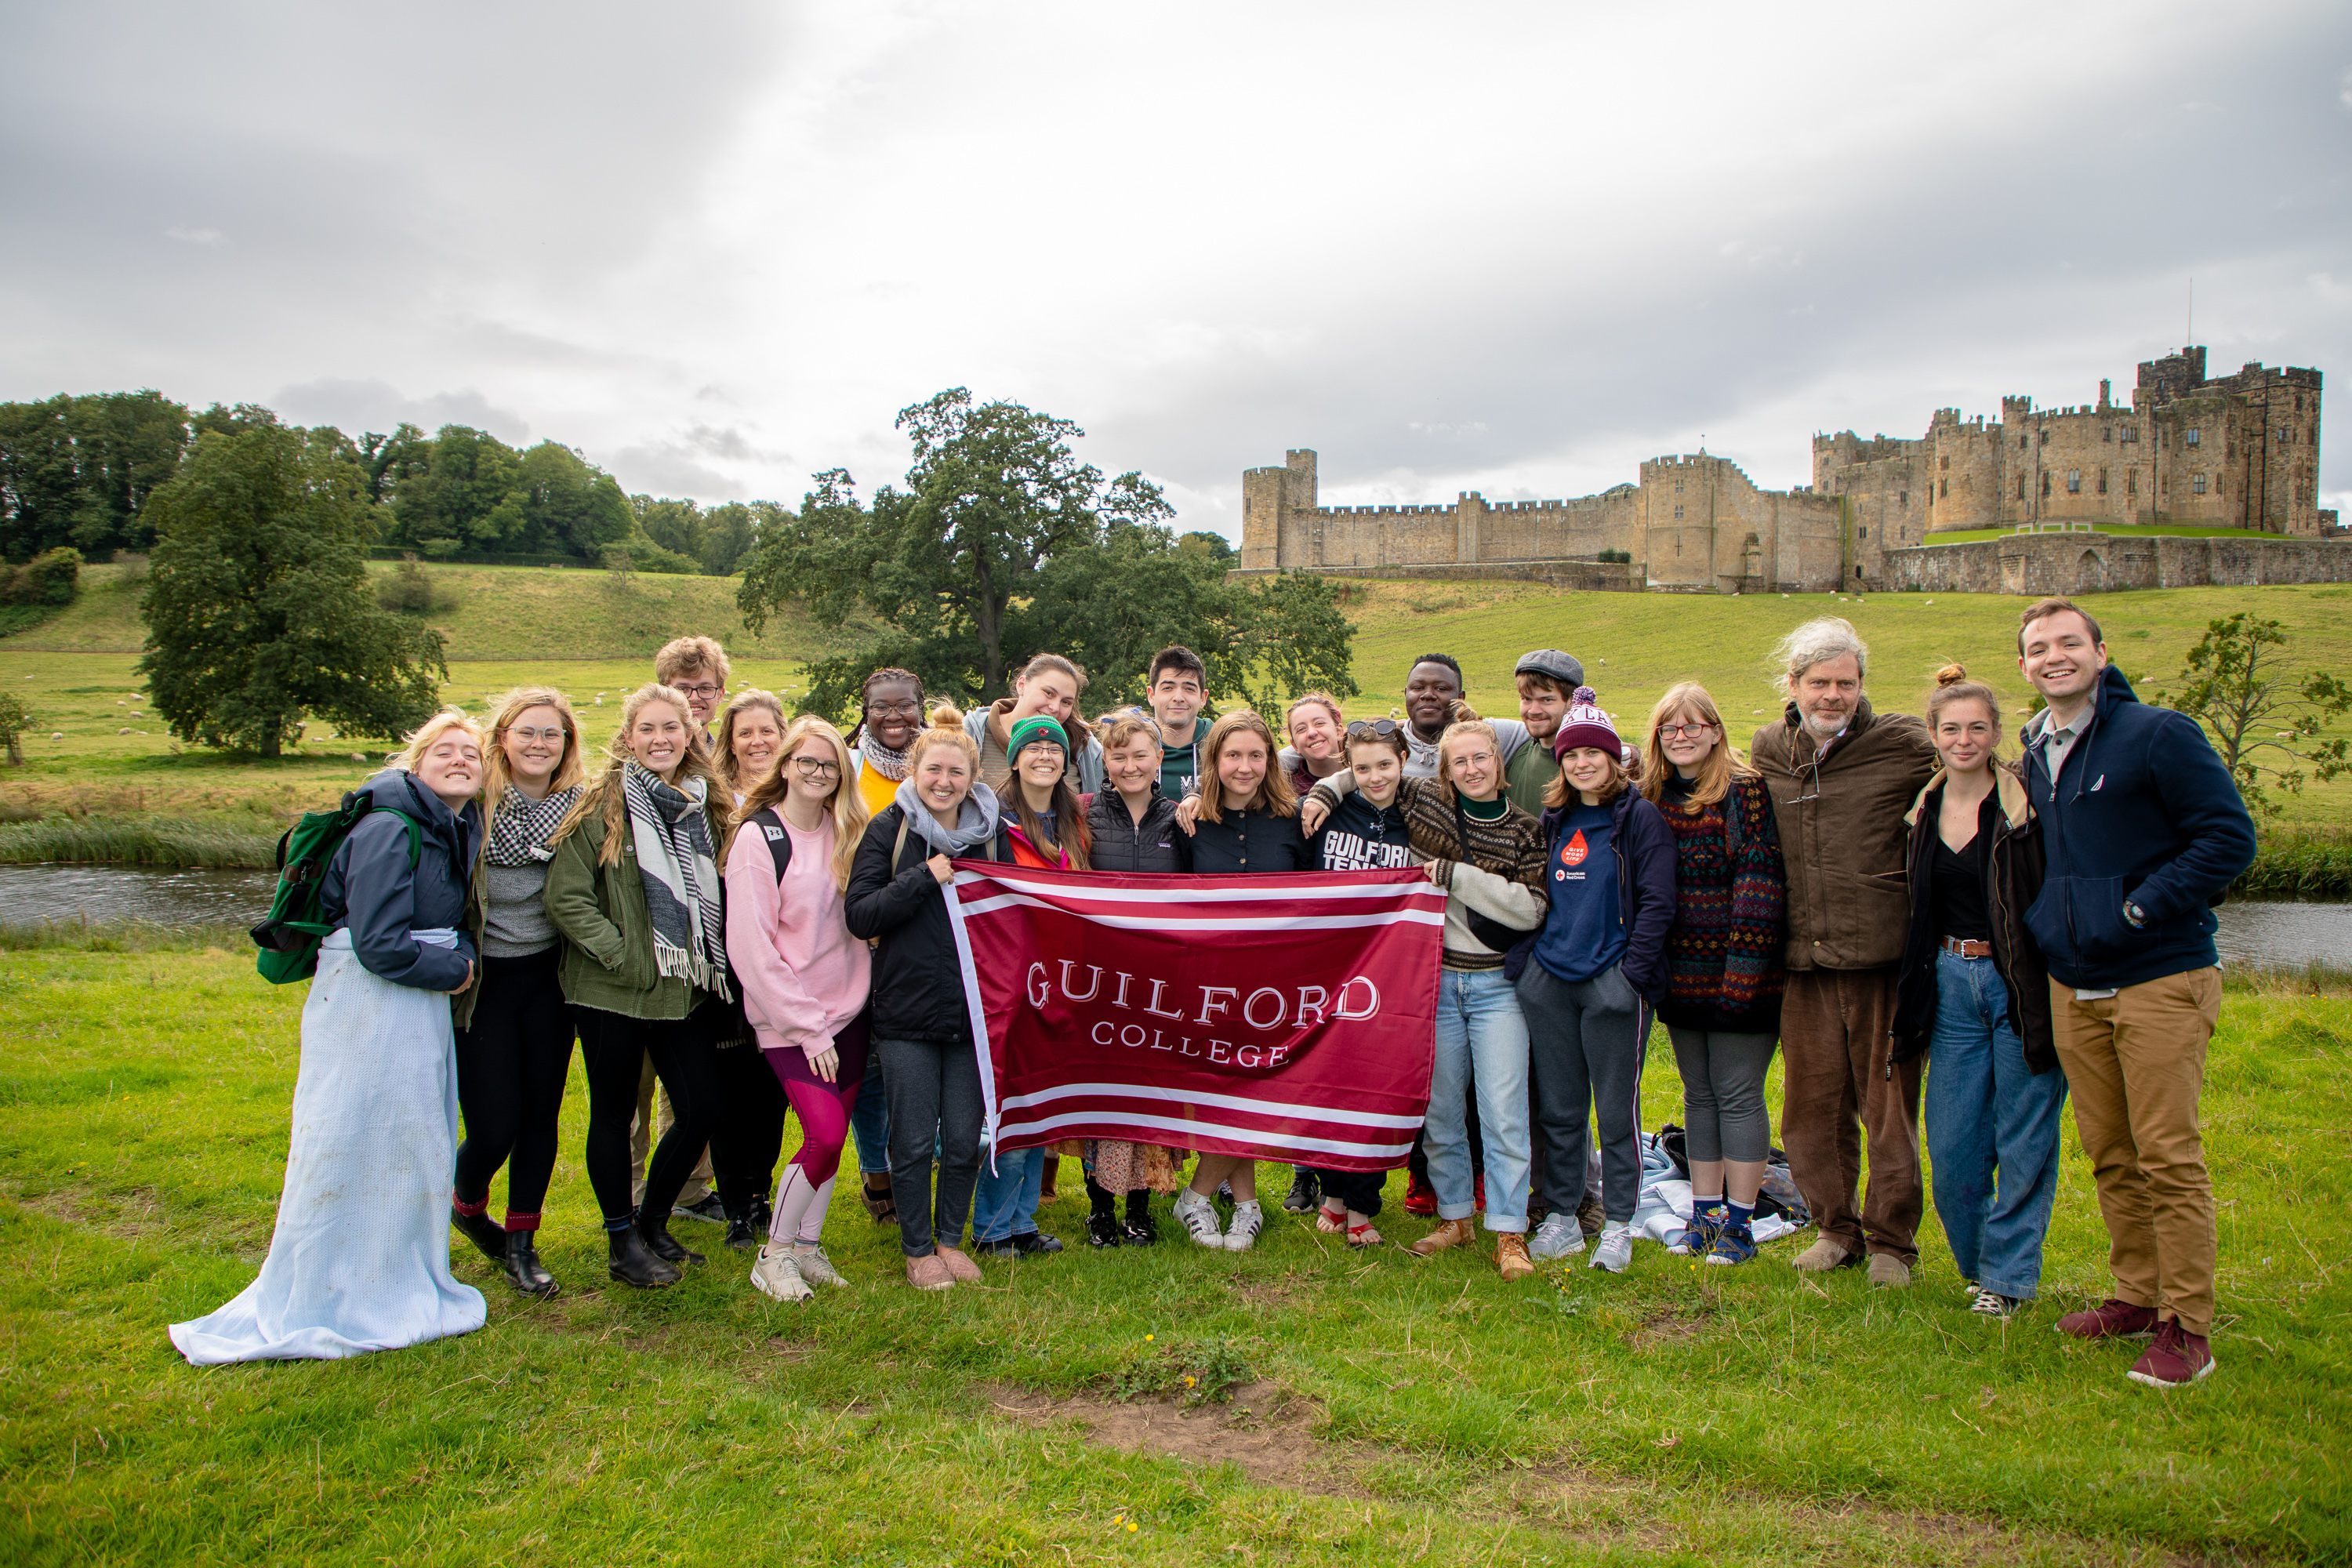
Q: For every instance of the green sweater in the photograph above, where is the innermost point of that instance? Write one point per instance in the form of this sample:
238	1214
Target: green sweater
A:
608	940
1527	774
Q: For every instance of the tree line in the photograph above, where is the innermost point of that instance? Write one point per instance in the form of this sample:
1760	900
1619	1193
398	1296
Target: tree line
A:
77	471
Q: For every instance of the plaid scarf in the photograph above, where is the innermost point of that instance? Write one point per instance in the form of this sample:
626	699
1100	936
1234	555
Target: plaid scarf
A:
678	866
519	834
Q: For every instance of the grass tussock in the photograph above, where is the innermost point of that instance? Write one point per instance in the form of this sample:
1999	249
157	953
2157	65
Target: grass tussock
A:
2310	863
171	843
121	936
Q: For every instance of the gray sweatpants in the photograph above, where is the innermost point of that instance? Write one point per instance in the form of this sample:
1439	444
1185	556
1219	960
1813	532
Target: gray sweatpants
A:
1723	1093
935	1105
1585	1043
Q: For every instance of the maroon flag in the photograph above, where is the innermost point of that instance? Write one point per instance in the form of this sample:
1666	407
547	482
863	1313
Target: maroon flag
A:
1286	1017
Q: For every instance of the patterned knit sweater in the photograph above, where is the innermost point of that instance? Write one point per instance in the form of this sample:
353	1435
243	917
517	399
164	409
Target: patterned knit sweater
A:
1502	876
1722	953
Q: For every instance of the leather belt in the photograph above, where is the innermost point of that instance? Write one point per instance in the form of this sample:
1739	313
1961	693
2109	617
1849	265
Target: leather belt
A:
1964	947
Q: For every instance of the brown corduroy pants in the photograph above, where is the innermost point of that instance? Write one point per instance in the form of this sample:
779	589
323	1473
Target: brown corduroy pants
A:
2136	1064
1834	1046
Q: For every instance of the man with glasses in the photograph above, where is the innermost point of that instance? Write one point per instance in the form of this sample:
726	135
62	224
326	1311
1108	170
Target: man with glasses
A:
1842	776
697	667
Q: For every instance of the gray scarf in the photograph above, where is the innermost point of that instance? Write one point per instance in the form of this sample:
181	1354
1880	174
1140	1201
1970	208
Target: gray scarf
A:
680	868
976	820
890	765
519	833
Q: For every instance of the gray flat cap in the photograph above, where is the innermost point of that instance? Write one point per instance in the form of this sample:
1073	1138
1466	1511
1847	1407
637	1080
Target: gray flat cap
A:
1552	664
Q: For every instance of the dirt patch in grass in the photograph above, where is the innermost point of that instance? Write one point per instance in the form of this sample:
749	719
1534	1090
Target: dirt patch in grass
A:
1265	1431
1670	1325
133	1216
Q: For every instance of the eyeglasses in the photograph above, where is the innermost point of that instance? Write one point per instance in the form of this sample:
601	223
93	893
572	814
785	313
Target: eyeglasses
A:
1475	760
552	737
1379	728
817	767
893	708
704	691
1676	731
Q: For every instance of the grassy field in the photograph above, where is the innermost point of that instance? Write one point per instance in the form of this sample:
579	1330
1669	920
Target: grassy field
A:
99	757
1380	1409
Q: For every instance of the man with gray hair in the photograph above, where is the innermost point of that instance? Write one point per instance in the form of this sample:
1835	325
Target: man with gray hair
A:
1842	776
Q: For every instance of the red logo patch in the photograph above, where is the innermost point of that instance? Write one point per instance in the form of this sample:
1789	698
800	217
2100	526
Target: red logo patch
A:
1573	852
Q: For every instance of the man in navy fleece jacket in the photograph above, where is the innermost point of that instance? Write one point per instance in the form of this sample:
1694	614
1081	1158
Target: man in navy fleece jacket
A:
2144	831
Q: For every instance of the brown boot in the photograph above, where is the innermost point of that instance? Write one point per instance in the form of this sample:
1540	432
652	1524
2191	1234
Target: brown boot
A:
1449	1233
1511	1255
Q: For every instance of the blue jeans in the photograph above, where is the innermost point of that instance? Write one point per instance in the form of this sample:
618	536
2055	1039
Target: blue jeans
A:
1007	1203
1481	1040
869	1119
1986	1110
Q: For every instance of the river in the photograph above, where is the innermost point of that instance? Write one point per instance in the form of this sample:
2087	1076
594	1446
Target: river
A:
2255	931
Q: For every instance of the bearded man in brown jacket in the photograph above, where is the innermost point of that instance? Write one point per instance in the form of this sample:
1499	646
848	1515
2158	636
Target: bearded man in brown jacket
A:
1840	777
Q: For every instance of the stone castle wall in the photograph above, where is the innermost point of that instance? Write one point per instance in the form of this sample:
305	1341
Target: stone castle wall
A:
2076	562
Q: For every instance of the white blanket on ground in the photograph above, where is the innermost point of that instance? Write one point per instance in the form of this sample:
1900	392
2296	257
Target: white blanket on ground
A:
360	1259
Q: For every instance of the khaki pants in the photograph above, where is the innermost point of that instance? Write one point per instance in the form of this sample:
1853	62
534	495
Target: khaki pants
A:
641	1132
1834	1046
2135	1063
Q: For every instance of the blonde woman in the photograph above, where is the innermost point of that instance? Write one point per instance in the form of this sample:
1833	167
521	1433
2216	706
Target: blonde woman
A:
514	1033
634	891
805	979
746	738
360	1258
1722	1005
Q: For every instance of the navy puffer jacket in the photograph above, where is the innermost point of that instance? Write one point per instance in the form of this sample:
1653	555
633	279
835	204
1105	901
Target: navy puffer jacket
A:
371	888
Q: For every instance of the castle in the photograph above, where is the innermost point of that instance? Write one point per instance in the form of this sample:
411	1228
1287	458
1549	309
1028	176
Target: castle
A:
2237	451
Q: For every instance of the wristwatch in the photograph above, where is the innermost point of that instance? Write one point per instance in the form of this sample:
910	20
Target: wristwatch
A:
2135	916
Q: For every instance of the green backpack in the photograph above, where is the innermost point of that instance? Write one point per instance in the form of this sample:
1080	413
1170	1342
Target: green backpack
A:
289	935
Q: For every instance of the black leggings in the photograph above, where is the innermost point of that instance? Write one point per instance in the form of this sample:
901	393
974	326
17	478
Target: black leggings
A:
615	1048
749	1131
512	1062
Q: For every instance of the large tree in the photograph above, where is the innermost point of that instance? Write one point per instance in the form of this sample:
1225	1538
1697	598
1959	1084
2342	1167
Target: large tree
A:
77	470
1003	544
257	607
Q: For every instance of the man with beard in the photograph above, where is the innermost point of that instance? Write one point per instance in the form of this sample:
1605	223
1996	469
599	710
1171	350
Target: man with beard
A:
1842	776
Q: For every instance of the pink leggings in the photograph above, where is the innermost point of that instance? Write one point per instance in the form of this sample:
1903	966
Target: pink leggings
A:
823	1110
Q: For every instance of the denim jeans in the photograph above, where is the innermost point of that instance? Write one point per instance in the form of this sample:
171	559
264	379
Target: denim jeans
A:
1480	1037
1007	1202
1986	1110
870	1121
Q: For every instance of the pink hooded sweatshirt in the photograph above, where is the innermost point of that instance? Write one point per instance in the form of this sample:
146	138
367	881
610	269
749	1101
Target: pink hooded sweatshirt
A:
804	976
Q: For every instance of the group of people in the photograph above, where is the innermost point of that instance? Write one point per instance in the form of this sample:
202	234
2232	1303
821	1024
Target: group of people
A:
742	913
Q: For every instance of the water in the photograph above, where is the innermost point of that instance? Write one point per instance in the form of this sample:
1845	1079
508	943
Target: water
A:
2261	932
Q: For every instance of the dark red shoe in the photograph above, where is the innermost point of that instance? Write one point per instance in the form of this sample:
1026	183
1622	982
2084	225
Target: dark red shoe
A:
1420	1199
2177	1359
2112	1318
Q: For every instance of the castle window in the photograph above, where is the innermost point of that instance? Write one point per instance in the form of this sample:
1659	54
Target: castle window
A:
1678	486
2195	436
1678	511
2073	482
2197	482
2107	432
1902	497
2046	482
1944	462
2103	481
2021	443
2021	487
1947	486
2298	403
2131	481
2045	436
2287	436
1861	533
1678	544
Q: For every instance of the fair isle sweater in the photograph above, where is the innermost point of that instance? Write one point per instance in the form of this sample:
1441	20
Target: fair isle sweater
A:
1501	877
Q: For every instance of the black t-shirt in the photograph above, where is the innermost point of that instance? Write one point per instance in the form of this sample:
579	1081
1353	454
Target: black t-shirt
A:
1958	881
1362	836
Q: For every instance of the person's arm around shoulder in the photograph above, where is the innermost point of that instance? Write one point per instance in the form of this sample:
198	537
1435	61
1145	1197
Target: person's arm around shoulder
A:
1650	853
570	898
380	909
1760	883
1323	800
2202	803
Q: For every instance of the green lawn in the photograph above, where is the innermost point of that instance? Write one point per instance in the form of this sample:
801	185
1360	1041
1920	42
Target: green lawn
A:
1392	1409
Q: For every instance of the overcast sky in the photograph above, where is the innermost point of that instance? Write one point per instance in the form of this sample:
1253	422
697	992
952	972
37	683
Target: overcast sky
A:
1511	247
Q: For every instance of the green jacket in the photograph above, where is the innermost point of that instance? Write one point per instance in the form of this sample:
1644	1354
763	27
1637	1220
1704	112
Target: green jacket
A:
1527	774
608	940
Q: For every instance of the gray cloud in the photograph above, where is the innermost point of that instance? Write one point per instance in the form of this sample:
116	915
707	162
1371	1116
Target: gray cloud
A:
358	405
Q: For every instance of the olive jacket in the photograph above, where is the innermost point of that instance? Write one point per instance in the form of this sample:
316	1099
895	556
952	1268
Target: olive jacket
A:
608	940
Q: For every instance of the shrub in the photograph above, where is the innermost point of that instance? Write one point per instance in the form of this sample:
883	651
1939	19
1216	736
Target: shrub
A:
1616	557
50	578
411	590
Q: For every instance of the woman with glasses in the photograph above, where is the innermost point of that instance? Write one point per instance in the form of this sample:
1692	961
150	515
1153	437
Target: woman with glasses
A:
514	1034
1722	1006
804	980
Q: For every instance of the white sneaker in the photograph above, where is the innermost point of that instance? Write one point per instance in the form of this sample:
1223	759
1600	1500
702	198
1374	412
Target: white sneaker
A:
1614	1250
1558	1236
1199	1217
1248	1220
816	1267
777	1277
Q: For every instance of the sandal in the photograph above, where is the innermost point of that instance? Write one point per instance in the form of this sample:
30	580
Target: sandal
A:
1363	1235
880	1202
1329	1223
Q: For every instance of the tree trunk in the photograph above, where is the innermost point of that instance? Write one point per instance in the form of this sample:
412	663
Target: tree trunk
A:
270	741
16	753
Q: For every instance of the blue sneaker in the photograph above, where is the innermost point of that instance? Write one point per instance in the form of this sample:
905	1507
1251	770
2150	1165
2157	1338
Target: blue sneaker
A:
1733	1244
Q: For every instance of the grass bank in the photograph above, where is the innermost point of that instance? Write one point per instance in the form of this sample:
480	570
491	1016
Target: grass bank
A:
1381	1408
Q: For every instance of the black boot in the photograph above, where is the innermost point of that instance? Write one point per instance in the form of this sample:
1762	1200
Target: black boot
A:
484	1232
1140	1231
633	1263
523	1268
654	1228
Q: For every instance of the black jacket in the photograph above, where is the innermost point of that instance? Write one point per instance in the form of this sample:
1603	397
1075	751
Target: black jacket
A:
371	888
1251	840
1120	843
918	979
2014	884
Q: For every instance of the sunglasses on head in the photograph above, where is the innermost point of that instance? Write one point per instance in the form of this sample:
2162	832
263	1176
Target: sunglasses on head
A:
1378	729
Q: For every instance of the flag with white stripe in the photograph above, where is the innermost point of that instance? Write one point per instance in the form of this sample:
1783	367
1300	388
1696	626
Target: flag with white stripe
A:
1287	1017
